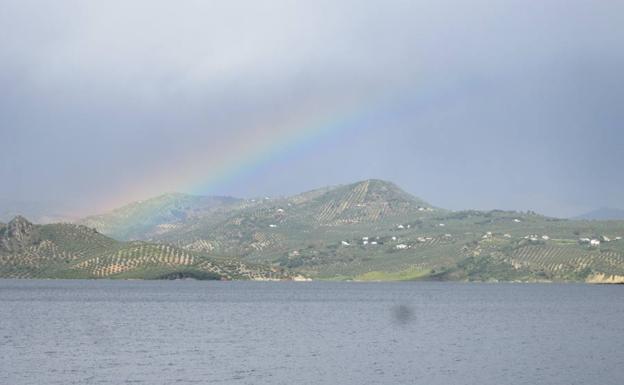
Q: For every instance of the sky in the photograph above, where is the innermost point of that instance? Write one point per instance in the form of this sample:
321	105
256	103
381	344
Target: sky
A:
469	105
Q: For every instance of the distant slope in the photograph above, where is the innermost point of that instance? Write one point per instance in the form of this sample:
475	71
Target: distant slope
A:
42	212
603	214
145	219
373	230
73	251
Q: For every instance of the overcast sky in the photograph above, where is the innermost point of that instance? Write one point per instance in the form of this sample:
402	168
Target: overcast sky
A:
466	104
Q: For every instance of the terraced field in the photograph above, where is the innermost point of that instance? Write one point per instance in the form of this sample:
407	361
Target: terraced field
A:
70	251
367	230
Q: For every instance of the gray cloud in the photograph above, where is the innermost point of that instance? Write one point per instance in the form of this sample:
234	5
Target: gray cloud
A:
487	104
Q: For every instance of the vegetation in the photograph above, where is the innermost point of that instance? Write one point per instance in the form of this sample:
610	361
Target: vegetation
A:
72	251
370	230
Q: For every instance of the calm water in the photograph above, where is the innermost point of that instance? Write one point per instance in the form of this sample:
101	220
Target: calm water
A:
177	332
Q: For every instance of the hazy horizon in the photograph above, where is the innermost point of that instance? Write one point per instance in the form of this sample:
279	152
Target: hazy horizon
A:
508	105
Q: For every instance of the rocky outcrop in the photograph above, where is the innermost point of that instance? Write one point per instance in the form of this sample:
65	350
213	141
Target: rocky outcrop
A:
16	234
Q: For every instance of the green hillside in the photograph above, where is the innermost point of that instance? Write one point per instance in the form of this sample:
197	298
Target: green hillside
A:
73	251
373	230
369	230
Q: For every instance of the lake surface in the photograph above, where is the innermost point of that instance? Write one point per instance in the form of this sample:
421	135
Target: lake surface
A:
179	332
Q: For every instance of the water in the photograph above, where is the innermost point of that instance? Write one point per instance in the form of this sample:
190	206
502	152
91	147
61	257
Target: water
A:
133	332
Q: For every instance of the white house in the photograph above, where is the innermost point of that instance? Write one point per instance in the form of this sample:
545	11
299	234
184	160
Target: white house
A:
345	243
517	220
594	242
394	238
545	237
401	246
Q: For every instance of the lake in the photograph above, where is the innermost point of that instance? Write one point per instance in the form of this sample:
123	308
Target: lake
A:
200	332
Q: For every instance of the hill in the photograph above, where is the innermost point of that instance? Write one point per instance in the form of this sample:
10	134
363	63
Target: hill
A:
603	214
73	251
264	227
373	230
148	218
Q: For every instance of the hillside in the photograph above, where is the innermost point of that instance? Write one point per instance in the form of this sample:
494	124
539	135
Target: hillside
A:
324	216
74	251
603	214
374	230
148	218
369	230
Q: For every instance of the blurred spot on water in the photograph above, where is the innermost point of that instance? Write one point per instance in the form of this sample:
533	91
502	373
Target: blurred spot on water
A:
402	314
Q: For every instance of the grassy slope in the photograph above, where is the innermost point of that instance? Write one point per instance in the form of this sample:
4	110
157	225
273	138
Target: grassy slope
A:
307	236
72	251
306	232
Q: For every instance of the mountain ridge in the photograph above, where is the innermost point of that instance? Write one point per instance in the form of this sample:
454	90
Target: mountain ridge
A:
603	213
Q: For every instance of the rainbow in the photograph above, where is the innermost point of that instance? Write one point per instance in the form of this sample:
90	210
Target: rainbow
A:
202	172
